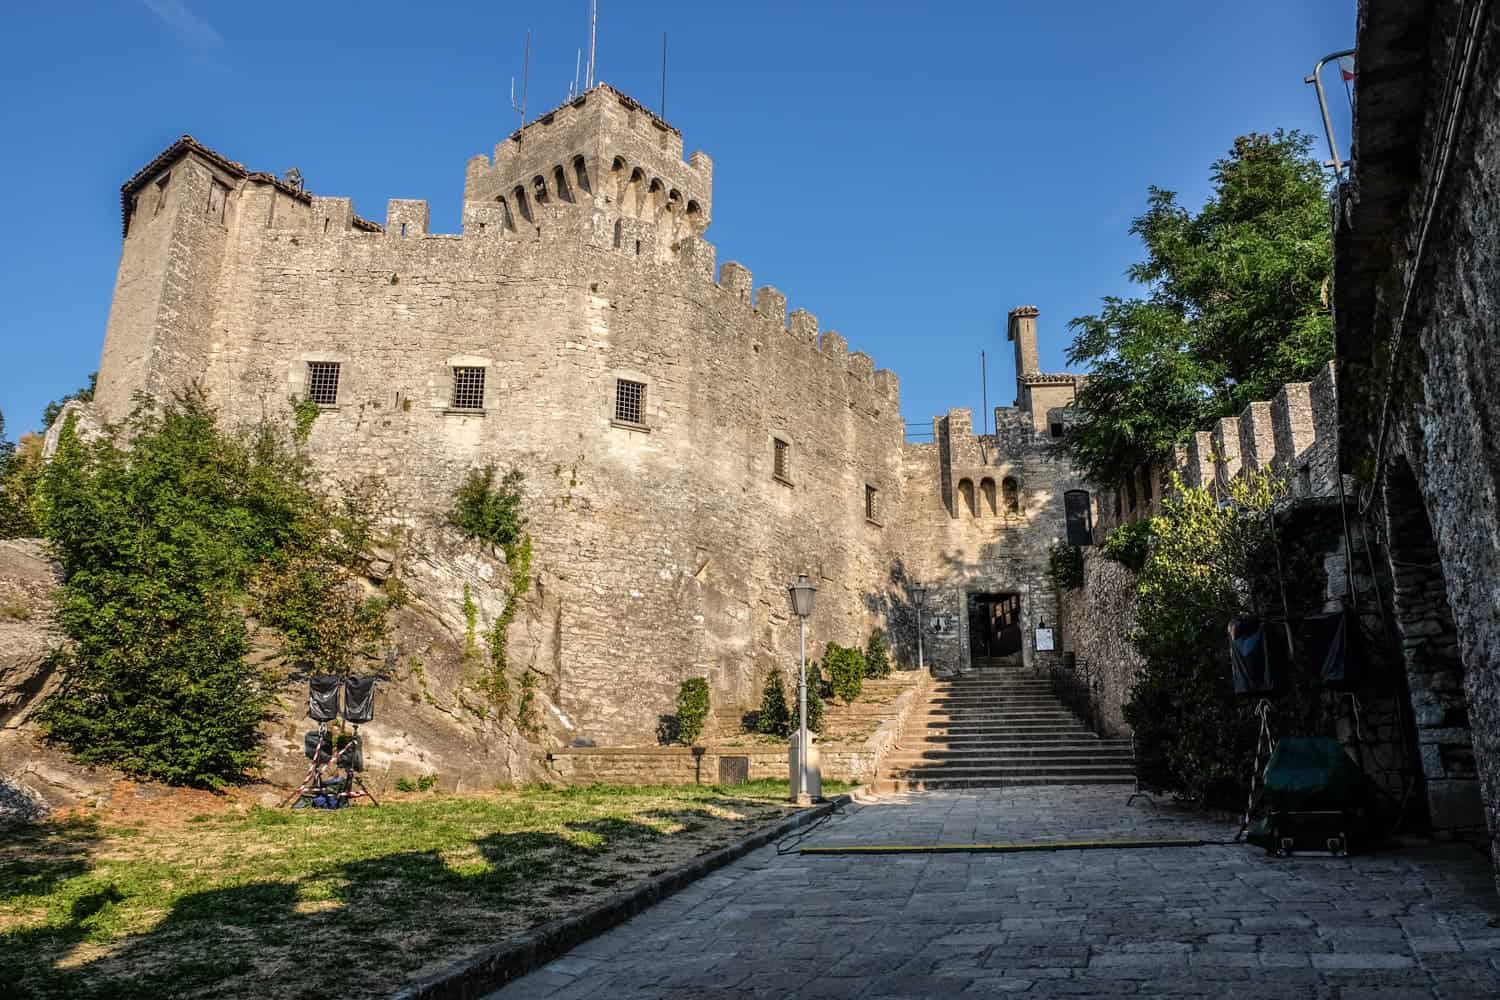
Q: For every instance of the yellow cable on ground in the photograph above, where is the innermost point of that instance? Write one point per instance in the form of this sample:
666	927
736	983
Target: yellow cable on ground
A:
1056	845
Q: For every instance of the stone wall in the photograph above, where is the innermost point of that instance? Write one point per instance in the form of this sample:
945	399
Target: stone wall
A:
1097	619
1417	268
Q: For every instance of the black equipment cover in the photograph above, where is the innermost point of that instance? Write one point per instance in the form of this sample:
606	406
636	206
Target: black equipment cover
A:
323	697
317	747
359	699
1333	647
1250	656
352	756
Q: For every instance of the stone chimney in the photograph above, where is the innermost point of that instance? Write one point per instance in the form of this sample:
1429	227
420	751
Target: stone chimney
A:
1022	330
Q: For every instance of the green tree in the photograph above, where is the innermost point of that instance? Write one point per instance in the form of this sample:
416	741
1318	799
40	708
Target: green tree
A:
20	468
485	510
1235	306
877	656
846	671
692	709
775	717
158	541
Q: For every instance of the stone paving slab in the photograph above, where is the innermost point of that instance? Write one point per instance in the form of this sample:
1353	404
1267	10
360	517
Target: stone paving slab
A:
1219	920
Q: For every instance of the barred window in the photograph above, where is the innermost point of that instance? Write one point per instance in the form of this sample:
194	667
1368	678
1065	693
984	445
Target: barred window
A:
872	503
468	388
323	382
782	464
630	401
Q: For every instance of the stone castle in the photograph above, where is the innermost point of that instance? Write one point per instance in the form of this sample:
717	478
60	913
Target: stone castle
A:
689	447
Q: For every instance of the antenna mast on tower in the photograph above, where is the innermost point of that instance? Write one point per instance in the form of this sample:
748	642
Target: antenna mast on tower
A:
588	83
525	83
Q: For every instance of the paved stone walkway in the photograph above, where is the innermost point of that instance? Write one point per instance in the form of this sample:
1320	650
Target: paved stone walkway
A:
1207	921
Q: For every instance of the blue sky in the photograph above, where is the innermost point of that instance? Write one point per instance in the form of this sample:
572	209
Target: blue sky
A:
907	173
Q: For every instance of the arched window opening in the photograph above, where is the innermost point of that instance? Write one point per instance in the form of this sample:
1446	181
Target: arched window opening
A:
506	222
523	204
987	497
635	190
539	189
966	497
656	197
560	184
1080	517
1010	494
695	217
581	175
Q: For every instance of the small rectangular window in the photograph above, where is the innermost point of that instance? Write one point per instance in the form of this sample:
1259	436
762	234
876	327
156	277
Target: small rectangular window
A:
218	196
872	503
782	463
630	402
323	382
1057	430
161	193
468	388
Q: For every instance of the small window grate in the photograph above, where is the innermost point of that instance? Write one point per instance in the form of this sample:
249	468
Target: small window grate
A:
630	402
468	388
323	382
872	503
782	463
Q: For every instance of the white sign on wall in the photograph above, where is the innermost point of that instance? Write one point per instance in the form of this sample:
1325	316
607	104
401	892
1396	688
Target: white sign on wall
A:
1044	640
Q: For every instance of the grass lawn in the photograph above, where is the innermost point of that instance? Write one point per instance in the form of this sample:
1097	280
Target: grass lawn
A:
353	903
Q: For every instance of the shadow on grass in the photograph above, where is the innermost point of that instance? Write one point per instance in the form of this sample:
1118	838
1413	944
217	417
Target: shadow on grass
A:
385	918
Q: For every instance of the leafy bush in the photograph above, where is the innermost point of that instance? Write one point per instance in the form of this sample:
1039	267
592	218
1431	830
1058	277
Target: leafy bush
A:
1065	566
157	543
1129	544
1207	562
489	512
163	527
877	656
527	720
775	715
846	670
692	709
816	689
423	783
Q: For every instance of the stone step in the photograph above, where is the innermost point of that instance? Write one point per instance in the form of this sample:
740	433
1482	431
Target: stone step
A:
998	725
1077	743
899	762
994	711
888	785
1026	770
1003	737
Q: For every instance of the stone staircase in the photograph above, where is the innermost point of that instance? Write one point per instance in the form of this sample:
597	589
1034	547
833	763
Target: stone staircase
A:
991	728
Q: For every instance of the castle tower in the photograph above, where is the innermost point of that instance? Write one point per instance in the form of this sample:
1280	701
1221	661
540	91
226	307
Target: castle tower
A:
602	148
1040	394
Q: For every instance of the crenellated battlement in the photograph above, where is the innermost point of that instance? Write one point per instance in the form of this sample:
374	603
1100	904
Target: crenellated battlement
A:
604	149
1294	434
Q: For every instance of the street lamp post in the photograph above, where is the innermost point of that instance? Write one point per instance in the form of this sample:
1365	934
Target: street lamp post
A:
802	593
919	598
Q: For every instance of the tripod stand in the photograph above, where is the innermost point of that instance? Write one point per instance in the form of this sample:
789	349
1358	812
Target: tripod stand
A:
335	791
338	789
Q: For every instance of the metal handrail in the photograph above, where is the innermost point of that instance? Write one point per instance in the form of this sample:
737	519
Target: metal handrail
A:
1316	79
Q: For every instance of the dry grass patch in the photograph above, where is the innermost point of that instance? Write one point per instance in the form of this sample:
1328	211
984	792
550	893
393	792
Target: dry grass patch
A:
284	904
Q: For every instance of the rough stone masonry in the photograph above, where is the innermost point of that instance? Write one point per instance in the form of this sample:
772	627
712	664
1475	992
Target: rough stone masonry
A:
689	447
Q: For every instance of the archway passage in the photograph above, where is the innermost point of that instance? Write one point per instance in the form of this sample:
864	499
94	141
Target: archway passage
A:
1429	644
994	630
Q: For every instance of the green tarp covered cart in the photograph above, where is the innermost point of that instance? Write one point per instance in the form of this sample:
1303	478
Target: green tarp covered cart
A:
1315	798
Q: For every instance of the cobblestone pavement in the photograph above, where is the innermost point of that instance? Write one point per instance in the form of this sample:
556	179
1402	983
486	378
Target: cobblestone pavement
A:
1215	920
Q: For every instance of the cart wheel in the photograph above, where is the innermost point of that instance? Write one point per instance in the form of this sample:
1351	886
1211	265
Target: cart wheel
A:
1286	848
1338	846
